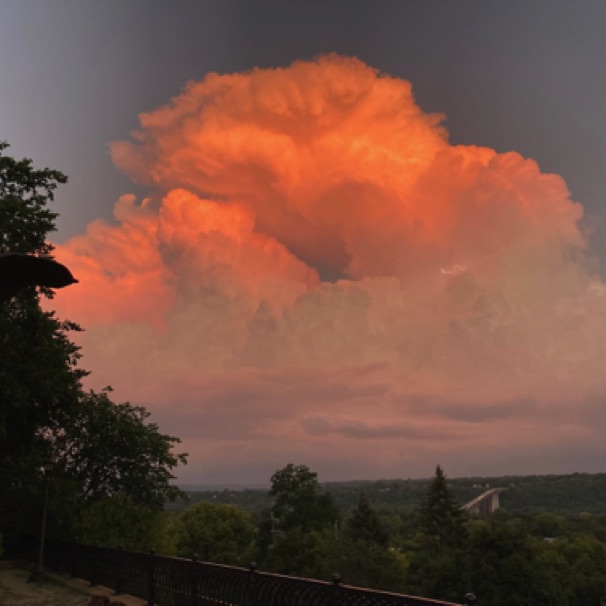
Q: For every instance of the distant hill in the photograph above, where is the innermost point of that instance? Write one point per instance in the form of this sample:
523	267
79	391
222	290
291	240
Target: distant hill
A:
220	487
572	493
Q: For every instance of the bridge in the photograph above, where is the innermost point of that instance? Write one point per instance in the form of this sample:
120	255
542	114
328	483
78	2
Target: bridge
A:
486	503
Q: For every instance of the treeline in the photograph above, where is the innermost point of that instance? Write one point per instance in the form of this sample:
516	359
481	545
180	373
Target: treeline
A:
564	494
433	549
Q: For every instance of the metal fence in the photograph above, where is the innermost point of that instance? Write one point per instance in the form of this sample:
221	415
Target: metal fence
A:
168	581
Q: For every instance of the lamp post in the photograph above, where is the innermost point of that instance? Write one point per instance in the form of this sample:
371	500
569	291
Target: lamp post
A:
38	572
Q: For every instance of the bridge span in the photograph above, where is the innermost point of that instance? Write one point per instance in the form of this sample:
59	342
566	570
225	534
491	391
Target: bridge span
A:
486	503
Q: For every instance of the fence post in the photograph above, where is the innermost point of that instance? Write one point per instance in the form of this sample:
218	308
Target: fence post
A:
93	563
119	581
251	594
336	585
72	558
194	581
151	593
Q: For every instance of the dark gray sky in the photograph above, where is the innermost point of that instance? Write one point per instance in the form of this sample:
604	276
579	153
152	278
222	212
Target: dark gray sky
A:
516	75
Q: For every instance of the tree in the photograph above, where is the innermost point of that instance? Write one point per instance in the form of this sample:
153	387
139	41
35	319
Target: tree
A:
584	573
38	363
215	533
106	448
25	220
302	553
111	449
368	564
295	534
506	565
440	517
299	501
362	555
364	524
119	522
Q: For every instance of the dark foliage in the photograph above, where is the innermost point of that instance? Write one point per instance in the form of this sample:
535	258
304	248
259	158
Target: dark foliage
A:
364	523
101	448
440	516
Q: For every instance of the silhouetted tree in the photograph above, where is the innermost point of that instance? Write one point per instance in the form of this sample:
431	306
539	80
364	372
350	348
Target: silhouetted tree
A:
111	449
440	516
102	448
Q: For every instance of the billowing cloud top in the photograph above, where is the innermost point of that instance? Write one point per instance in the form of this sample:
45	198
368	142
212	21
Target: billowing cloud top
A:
317	268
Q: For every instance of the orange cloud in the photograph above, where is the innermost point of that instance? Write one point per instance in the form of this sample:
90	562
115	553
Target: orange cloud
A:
311	226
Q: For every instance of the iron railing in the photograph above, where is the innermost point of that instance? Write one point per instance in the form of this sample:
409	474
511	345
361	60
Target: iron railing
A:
168	581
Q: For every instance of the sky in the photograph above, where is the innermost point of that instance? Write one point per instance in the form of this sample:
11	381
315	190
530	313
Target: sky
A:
364	237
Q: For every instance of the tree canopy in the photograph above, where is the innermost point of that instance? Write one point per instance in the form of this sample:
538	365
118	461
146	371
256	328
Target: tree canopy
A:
215	533
25	219
364	523
299	501
101	448
111	449
39	373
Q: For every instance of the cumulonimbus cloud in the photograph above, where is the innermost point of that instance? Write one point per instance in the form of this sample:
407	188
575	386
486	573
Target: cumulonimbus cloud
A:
311	220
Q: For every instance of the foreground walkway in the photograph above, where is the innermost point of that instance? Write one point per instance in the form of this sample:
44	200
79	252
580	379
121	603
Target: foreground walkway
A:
59	590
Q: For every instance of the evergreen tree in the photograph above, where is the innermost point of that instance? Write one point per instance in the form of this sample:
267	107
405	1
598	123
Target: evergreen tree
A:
440	516
364	523
362	555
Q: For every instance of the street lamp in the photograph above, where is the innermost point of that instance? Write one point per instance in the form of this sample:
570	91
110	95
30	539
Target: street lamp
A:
38	572
18	271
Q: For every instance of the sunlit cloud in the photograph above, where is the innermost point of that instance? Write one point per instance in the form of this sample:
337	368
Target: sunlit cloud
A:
317	267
